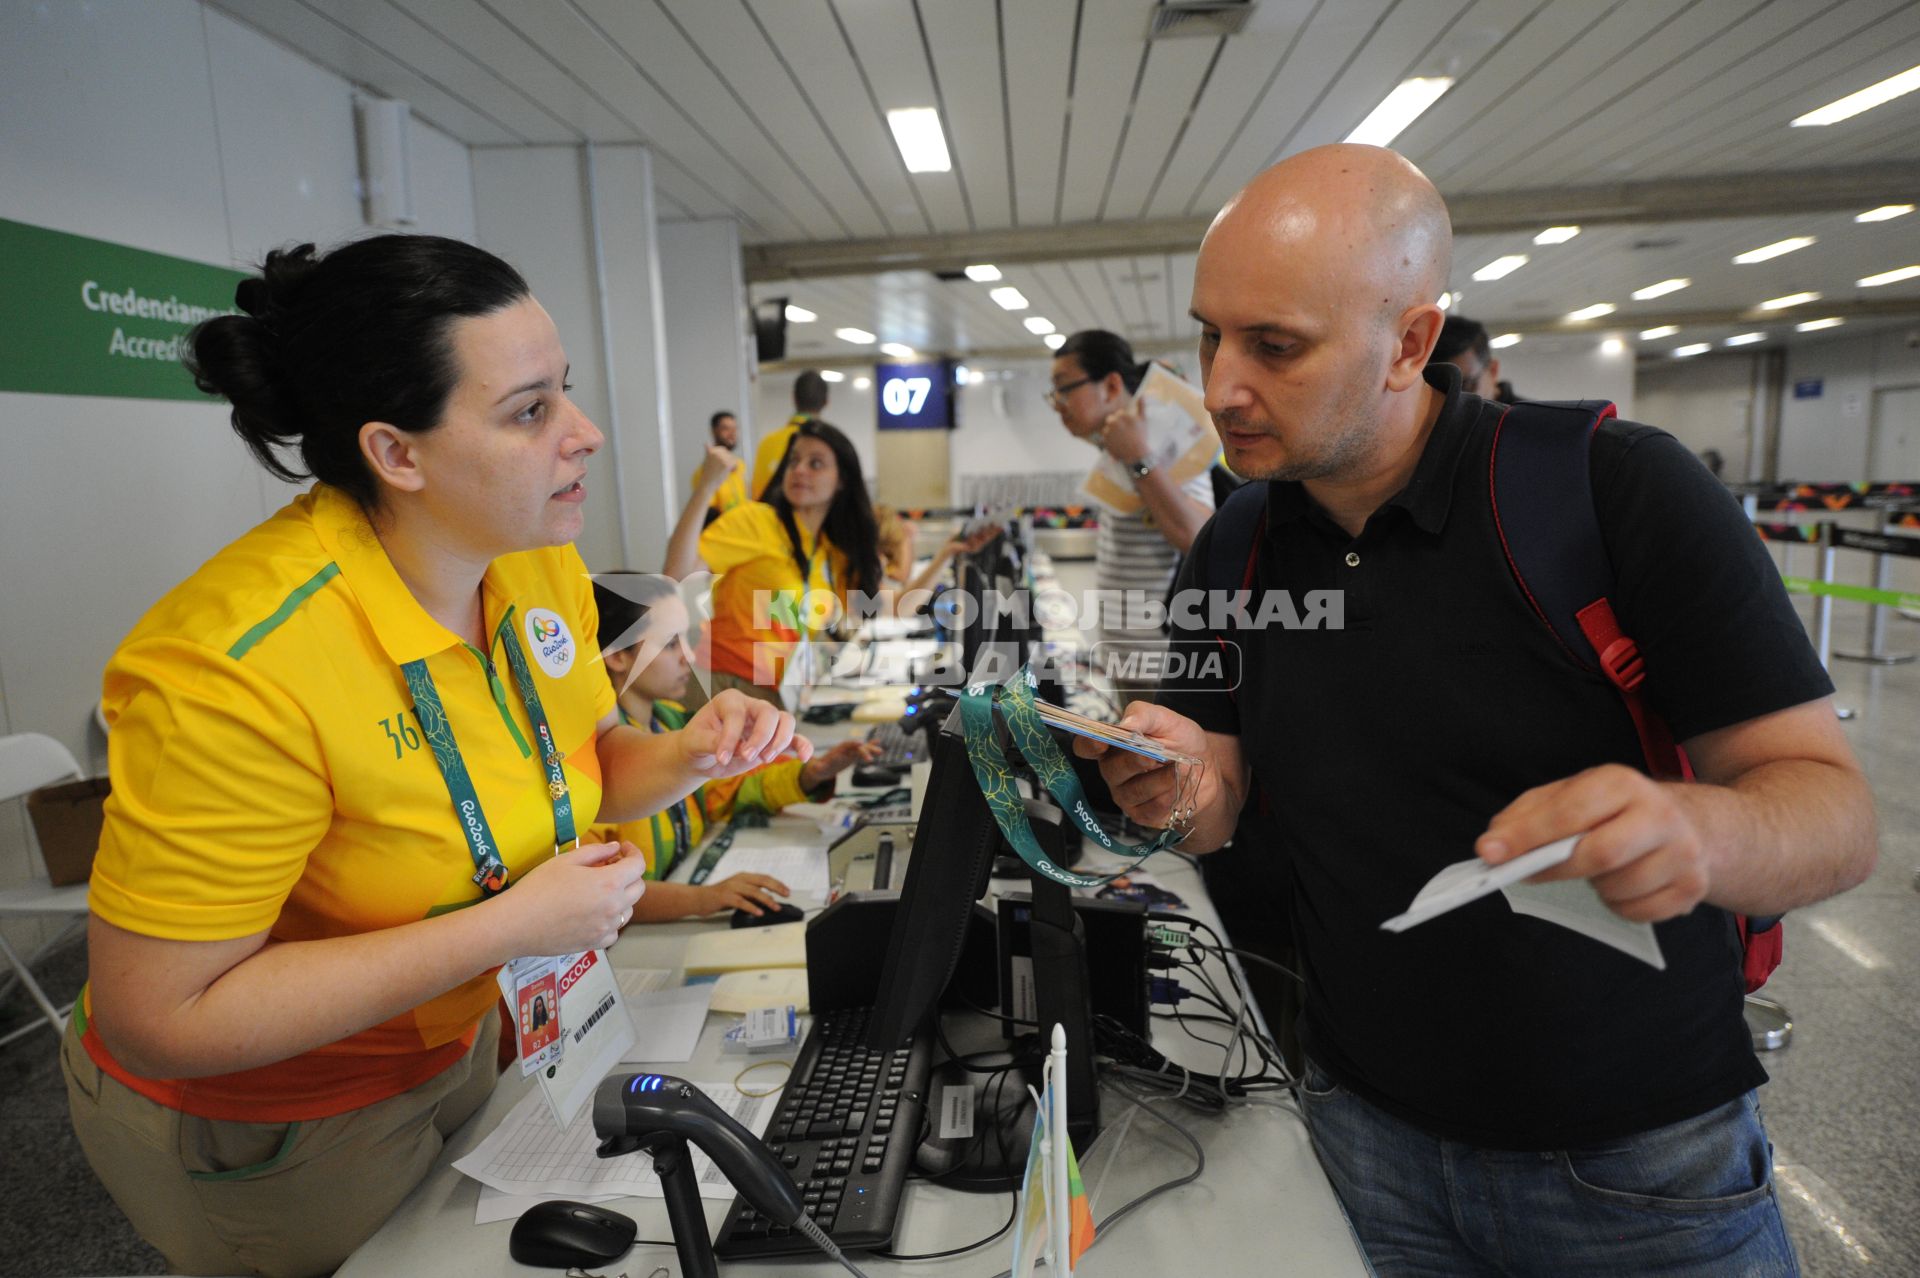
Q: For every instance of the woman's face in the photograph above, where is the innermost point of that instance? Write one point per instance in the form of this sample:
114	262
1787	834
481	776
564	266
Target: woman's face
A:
504	469
813	477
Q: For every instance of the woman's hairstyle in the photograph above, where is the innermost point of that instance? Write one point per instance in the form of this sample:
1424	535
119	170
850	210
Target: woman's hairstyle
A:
1100	353
850	524
622	607
330	342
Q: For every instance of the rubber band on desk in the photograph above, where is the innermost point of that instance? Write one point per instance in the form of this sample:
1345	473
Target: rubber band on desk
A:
762	1065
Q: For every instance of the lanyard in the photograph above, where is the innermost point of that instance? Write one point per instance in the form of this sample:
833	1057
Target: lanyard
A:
995	774
665	858
490	872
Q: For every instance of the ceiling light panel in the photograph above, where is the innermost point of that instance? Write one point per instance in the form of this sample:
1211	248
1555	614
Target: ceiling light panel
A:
858	336
1556	235
1661	289
1894	86
1408	101
1767	252
1501	267
983	273
916	131
1010	298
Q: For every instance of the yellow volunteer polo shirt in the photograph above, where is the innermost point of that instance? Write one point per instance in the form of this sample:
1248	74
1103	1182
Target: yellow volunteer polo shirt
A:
732	491
766	458
749	549
269	773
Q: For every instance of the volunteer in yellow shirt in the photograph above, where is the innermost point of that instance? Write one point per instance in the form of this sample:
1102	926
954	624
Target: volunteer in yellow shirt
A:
787	566
344	755
643	636
733	489
809	401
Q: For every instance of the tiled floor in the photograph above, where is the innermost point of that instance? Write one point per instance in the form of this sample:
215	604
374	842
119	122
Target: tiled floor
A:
1843	1107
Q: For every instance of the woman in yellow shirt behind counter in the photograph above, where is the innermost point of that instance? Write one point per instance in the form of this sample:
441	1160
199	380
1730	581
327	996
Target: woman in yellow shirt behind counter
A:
787	566
643	639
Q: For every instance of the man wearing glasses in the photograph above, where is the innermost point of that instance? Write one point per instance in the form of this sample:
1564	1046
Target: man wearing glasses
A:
1094	380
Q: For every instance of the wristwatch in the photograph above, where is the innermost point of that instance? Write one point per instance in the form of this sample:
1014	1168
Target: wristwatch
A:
1142	468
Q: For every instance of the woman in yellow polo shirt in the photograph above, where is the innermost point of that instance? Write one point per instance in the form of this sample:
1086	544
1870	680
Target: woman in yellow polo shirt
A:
788	565
334	748
643	641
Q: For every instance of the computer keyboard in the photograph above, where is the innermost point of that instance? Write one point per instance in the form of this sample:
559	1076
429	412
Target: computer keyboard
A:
898	747
846	1130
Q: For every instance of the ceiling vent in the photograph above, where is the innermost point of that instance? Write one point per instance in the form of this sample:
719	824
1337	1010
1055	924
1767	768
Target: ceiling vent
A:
1210	19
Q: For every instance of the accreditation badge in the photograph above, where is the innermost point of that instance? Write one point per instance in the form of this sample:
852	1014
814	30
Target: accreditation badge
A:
595	1033
531	987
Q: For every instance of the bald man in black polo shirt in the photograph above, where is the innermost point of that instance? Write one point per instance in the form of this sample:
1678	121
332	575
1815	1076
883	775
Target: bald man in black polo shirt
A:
1491	1093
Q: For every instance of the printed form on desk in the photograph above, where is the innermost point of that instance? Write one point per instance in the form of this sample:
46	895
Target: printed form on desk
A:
802	867
529	1158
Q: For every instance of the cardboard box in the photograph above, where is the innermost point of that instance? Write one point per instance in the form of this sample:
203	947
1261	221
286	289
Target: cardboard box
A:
67	819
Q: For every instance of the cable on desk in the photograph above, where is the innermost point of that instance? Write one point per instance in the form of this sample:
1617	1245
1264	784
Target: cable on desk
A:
1000	1140
762	1065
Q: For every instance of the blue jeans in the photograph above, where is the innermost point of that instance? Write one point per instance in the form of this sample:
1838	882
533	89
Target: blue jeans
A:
1693	1199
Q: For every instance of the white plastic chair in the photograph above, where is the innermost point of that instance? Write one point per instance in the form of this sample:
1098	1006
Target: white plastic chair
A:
29	760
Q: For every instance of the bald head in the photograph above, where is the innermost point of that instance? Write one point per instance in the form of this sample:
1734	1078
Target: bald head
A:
1315	290
1361	224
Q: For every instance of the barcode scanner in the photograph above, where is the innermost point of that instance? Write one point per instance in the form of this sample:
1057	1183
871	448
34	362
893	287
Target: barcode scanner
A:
660	1115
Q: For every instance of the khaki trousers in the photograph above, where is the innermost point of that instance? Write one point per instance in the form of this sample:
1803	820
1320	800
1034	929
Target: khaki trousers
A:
282	1199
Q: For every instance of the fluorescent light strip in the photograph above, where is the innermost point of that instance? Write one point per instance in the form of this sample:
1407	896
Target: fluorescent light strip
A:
1890	277
1556	235
1613	346
1038	324
984	273
1661	289
858	336
832	375
1055	341
800	315
1591	312
1791	299
1655	334
1885	213
862	383
1773	250
1505	340
1408	101
916	131
1501	267
899	350
1744	339
1697	348
1010	298
1814	326
1894	86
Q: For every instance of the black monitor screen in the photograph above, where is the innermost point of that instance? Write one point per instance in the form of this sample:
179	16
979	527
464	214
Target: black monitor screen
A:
953	845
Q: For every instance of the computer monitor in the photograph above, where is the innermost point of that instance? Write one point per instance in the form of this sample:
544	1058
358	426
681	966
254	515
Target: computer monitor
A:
953	847
993	645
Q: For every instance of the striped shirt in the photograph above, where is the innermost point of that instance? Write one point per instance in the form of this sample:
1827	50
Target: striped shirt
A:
1132	556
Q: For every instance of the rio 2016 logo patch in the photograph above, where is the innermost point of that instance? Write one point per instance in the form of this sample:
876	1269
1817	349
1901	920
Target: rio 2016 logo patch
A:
553	645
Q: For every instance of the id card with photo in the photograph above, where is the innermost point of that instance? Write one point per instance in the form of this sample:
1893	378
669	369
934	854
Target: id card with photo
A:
531	987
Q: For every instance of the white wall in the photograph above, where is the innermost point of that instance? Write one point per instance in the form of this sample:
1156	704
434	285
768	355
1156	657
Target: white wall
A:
1827	438
1007	429
708	337
1706	401
168	127
1548	367
855	411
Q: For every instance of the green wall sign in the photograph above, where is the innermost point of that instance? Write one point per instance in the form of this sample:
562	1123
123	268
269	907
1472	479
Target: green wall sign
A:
86	317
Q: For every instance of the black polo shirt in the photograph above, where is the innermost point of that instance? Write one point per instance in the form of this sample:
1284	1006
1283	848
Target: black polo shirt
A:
1385	747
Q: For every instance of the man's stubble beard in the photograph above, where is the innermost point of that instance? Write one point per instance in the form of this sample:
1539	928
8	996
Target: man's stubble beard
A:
1358	430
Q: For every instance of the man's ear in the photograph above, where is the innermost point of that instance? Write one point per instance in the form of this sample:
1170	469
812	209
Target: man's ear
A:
390	455
1415	332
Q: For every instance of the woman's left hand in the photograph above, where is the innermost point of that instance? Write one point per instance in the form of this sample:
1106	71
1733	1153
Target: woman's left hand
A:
735	733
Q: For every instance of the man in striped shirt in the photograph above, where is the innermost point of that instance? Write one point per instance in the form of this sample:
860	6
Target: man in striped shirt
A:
1094	380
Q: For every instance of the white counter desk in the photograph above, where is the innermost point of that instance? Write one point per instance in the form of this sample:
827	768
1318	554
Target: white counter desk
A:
1262	1205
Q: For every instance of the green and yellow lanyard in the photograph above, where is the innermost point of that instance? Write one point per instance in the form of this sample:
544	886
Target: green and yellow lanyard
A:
490	871
682	830
1014	699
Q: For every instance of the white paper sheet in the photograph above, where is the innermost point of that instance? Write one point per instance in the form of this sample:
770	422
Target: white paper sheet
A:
529	1155
1572	903
801	866
595	1030
635	981
667	1023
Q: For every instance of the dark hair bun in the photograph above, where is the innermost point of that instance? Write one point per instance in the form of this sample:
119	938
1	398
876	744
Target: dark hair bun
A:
326	343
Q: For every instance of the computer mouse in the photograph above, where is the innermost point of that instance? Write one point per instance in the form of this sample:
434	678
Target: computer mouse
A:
876	774
785	912
561	1235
